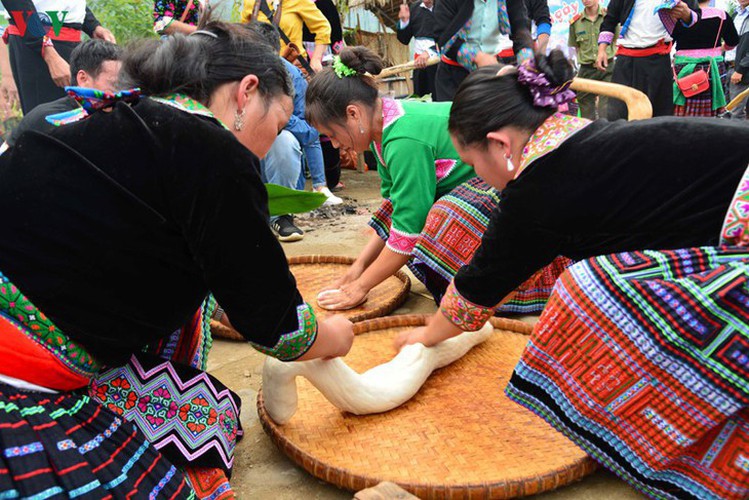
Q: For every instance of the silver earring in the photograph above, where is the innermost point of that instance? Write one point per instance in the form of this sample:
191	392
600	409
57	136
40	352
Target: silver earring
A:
361	129
239	120
510	166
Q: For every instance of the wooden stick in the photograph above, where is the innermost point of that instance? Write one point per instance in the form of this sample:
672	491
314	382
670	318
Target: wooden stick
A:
638	105
737	100
402	68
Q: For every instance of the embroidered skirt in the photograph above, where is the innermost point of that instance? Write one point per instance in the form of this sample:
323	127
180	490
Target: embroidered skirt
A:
642	359
450	237
66	445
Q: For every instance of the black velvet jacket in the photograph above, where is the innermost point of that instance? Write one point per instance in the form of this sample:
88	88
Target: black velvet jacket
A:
122	223
663	183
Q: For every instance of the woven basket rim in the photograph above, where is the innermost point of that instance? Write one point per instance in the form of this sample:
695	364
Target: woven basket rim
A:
382	310
344	478
224	333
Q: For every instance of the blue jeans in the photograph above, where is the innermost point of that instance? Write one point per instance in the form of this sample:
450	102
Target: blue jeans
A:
283	163
316	165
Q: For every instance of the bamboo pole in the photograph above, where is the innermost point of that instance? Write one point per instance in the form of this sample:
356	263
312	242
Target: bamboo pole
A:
737	100
638	105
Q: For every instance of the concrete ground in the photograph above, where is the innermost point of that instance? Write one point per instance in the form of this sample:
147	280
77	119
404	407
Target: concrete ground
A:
261	471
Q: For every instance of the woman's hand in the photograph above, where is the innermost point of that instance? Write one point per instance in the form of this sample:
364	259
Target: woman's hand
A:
408	337
602	61
8	95
736	77
335	336
346	297
353	273
681	12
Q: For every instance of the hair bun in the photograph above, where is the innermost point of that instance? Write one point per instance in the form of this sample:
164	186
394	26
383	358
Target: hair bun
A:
362	60
557	69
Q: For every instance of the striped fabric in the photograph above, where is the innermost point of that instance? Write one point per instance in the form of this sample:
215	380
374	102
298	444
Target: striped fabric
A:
642	359
450	237
68	446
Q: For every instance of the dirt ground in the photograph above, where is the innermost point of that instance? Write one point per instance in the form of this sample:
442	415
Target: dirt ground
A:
261	471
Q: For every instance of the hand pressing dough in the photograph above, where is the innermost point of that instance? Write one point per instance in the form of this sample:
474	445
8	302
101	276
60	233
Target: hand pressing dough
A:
380	389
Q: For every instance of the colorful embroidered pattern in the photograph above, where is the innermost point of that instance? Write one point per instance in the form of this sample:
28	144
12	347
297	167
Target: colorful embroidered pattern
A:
194	414
462	312
549	136
451	236
642	359
188	105
101	455
443	167
209	484
18	309
401	242
292	345
91	100
391	111
735	229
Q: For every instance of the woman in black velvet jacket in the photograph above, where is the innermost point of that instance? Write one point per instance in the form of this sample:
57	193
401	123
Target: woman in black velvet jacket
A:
124	222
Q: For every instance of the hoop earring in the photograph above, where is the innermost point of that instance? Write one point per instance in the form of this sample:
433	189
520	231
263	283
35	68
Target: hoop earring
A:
510	166
239	120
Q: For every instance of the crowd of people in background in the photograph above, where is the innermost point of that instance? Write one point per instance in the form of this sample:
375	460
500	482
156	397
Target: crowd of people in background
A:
113	256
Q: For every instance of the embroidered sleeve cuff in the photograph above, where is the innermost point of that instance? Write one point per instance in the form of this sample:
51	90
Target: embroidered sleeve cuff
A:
606	37
692	19
462	312
401	242
543	29
294	344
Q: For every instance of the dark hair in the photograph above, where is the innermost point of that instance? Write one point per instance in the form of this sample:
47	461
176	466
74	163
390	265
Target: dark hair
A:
328	95
90	55
197	64
486	102
265	32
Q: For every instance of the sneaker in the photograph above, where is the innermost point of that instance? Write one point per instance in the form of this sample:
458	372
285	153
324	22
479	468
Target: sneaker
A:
286	230
332	199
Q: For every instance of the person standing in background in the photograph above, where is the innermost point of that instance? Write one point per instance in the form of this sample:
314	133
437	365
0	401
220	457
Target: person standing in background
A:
739	75
290	16
538	12
417	21
38	55
468	34
583	37
643	59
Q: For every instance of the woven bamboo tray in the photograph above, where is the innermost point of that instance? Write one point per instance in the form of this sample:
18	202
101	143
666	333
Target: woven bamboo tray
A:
460	437
313	272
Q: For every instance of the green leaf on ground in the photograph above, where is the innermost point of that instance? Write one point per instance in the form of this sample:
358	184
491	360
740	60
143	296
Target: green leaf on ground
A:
283	200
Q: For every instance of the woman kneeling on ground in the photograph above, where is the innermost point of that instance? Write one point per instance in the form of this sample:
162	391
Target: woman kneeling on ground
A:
434	210
119	237
640	356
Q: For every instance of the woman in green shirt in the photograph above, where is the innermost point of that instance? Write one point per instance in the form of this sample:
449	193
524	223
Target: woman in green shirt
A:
418	166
